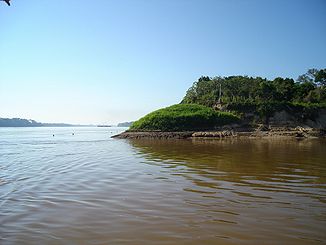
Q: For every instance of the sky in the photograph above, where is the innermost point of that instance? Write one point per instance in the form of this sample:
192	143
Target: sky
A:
110	61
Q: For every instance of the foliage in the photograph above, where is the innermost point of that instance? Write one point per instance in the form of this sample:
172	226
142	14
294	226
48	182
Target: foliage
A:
266	109
309	88
183	117
241	95
320	77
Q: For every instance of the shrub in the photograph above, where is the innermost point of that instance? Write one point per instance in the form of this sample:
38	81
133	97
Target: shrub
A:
183	117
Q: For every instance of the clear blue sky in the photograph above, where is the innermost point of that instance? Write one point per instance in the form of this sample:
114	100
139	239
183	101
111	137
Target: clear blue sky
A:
106	61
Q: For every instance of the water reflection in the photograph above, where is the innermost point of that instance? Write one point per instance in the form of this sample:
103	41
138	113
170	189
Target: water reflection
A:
288	161
268	185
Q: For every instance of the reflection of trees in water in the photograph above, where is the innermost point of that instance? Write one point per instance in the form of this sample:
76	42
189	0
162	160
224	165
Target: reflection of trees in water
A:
238	159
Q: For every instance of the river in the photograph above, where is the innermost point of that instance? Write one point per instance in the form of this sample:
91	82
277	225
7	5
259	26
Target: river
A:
82	187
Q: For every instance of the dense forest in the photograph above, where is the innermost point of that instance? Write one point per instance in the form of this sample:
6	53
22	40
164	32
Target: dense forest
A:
241	94
309	88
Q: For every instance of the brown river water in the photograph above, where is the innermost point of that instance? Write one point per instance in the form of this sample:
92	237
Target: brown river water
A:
87	188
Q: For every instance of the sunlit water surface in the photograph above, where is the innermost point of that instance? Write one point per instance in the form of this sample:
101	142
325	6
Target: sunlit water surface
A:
87	188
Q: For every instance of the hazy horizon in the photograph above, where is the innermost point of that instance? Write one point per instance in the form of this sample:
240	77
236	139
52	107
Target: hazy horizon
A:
107	62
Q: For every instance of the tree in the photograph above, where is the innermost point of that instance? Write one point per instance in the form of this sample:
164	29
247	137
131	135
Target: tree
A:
309	76
302	90
284	88
320	77
310	87
315	76
267	91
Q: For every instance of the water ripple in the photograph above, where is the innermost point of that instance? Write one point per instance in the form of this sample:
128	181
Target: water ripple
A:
90	188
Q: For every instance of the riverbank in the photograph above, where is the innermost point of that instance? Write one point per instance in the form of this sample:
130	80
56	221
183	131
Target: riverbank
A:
260	132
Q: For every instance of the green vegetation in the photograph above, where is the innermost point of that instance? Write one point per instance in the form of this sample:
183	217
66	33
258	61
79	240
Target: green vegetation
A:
183	117
240	96
309	88
261	96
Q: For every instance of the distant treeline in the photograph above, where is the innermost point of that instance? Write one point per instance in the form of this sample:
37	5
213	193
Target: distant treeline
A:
19	122
309	88
125	124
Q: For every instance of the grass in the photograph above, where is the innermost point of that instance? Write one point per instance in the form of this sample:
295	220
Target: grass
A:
183	117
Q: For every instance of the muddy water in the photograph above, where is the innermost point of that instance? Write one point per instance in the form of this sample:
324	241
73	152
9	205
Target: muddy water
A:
87	188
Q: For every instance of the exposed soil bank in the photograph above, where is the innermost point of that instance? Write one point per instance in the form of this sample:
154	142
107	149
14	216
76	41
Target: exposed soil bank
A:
263	131
153	134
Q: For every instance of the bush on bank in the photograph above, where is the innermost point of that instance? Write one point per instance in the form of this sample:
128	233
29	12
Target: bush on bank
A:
183	117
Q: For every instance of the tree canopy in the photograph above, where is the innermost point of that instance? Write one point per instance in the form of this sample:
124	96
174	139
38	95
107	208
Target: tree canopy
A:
308	88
